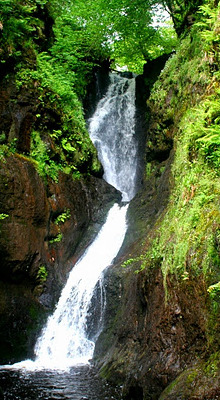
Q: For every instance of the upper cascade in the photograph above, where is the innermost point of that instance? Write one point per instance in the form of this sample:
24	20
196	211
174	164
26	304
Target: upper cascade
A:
112	130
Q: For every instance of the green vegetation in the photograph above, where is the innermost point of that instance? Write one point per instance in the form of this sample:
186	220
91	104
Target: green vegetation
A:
56	239
127	32
50	50
18	23
3	216
59	221
62	217
45	165
182	12
186	241
42	274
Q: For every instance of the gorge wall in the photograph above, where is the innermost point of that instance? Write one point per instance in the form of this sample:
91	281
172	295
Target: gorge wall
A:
34	263
161	335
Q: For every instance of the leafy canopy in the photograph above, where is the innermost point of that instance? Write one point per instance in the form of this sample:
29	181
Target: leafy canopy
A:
123	30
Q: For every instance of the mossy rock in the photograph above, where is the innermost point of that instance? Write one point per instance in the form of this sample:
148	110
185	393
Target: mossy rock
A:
199	382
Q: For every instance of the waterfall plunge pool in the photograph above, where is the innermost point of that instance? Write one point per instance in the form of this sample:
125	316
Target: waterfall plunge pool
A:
79	383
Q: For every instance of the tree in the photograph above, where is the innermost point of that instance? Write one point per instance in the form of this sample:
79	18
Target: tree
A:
182	12
124	30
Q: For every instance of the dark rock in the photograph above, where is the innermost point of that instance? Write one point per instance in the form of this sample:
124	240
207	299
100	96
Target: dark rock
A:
148	341
144	84
97	88
25	245
149	337
193	384
17	117
127	74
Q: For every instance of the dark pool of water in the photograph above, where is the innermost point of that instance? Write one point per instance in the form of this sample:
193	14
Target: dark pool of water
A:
80	383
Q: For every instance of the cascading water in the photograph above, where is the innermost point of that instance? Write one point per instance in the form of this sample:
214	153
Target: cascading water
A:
112	130
65	341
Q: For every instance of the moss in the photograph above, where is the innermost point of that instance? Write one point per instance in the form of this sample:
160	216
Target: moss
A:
105	373
185	385
34	312
42	274
212	366
185	239
195	381
168	390
191	377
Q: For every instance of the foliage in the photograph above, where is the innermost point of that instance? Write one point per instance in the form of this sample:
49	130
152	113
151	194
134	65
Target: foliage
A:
214	289
41	154
122	30
214	293
205	137
69	148
185	242
209	25
182	12
56	239
18	24
6	150
3	216
42	274
63	217
186	70
60	220
75	47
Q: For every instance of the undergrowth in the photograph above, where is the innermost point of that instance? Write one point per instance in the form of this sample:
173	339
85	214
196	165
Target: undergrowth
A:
44	54
186	241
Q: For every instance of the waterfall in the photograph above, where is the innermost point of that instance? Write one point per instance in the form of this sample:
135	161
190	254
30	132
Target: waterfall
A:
64	341
112	130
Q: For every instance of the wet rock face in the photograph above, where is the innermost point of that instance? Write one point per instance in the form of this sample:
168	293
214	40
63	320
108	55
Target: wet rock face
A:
151	333
155	341
23	198
149	340
17	110
28	245
156	145
97	88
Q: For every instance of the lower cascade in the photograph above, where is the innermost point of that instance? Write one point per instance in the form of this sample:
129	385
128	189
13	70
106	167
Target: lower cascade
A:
65	341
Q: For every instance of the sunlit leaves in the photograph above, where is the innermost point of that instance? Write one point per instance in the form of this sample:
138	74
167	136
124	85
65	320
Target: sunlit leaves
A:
18	24
122	30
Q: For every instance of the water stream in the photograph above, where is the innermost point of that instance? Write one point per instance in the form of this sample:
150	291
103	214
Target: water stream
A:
112	130
65	346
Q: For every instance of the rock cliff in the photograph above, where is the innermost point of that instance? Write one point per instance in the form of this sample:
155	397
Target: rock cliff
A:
161	335
35	258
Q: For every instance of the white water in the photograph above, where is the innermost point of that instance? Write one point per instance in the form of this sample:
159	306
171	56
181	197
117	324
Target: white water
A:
112	130
64	341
